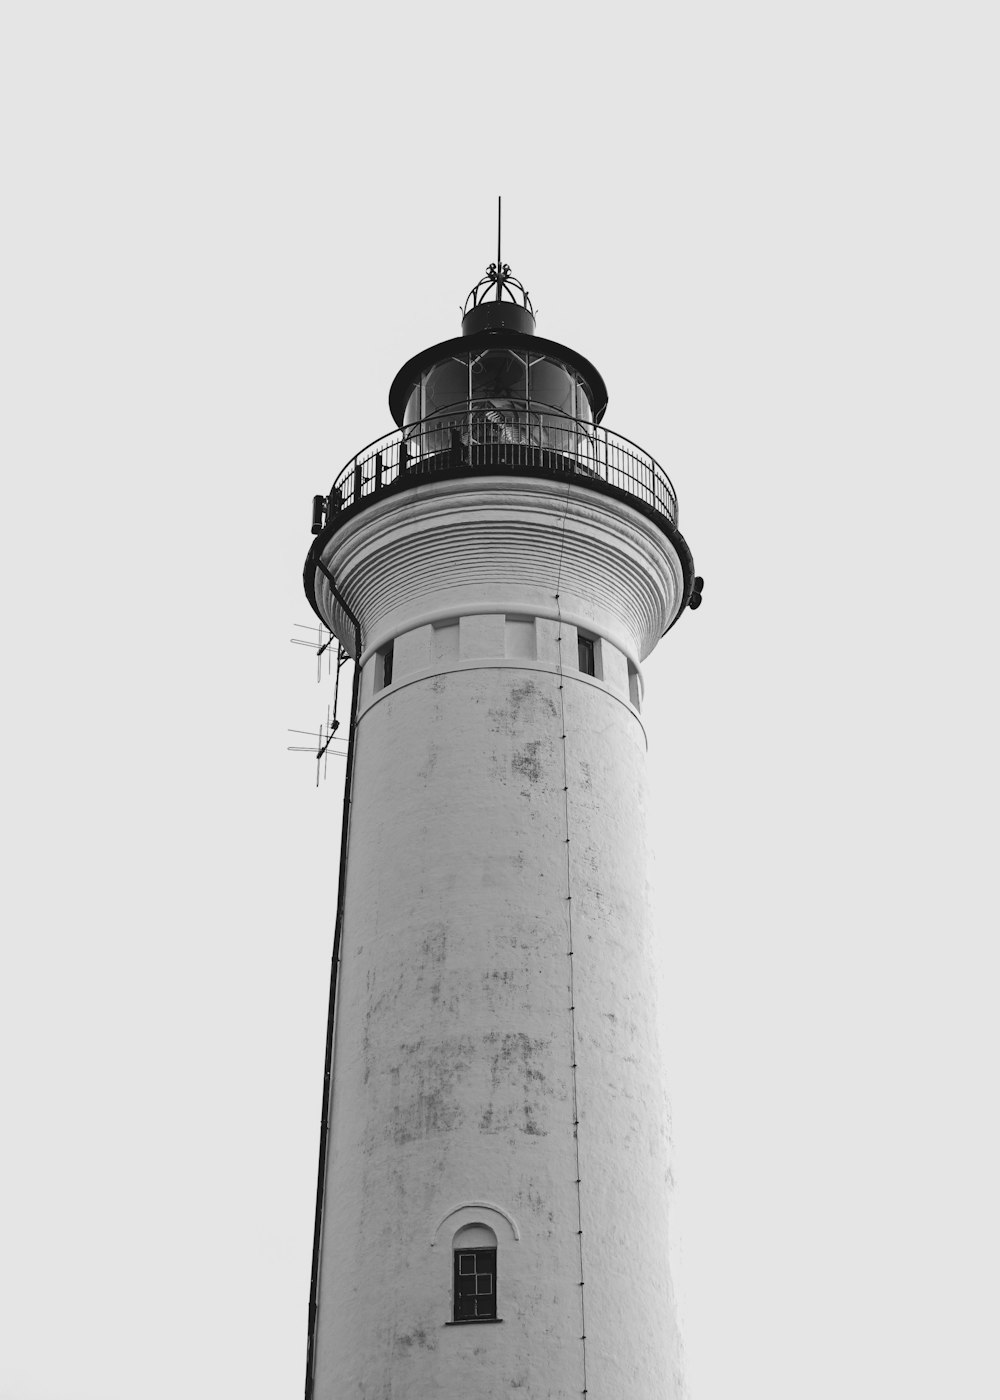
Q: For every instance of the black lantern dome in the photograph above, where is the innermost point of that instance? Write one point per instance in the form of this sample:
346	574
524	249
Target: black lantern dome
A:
498	302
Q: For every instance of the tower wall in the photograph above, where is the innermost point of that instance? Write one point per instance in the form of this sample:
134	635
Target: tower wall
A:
495	1055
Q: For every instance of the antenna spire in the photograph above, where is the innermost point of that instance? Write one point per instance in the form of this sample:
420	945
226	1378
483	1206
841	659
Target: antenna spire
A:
498	300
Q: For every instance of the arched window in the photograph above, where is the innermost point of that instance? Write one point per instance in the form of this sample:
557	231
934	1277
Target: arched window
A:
475	1253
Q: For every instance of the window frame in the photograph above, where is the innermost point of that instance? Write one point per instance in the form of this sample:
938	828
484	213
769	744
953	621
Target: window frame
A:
481	1256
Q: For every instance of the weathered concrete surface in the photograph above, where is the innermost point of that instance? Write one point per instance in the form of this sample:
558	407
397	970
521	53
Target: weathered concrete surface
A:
497	827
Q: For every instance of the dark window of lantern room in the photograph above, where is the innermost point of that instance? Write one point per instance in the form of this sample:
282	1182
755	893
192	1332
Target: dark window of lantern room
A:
475	1284
387	665
585	649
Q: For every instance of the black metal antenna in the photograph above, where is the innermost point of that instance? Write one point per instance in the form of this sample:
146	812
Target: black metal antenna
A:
323	642
326	643
498	279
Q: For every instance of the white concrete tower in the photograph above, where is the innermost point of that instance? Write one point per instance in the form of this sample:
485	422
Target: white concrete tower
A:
492	1206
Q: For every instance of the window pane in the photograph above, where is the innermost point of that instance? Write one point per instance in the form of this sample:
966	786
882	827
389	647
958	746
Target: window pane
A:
499	375
552	383
411	413
475	1284
584	408
446	384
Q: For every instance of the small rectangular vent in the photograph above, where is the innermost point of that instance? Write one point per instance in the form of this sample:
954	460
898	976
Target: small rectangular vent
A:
383	666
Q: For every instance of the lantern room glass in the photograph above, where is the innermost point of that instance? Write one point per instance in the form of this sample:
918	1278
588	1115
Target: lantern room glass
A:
497	396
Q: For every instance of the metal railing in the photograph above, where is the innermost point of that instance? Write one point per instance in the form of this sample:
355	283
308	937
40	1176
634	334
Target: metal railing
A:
507	435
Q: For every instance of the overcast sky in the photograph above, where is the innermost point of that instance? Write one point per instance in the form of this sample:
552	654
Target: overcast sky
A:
774	230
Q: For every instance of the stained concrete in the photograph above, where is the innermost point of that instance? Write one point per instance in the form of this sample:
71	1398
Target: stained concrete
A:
496	1059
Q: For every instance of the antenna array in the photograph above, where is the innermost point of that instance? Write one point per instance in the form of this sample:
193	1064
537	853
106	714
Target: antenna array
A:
325	740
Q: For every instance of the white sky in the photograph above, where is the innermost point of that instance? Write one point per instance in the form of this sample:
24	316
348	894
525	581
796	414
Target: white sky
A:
774	229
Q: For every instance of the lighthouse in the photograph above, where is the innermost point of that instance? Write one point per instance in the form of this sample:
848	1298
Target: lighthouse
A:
492	1198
